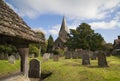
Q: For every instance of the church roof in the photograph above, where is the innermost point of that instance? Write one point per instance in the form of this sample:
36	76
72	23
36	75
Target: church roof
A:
63	25
12	25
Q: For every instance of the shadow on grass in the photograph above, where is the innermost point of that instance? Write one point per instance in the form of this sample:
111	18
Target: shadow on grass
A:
72	64
45	75
96	66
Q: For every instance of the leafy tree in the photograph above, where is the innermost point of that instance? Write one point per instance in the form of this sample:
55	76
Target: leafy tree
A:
84	37
50	44
2	48
33	49
8	48
42	45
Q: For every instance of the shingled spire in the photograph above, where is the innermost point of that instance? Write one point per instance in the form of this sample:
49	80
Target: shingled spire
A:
63	36
63	30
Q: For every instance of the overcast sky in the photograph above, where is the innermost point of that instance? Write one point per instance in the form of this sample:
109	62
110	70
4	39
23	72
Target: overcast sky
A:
46	15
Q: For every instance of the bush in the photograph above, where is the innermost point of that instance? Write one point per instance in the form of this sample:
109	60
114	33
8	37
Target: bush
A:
33	50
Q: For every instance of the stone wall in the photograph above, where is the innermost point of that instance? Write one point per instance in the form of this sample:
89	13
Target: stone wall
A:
78	54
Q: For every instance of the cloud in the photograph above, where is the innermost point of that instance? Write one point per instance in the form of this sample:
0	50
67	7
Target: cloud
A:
105	25
40	29
54	29
74	9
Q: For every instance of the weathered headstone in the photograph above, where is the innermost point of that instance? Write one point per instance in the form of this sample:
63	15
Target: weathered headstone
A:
102	60
11	59
79	54
5	56
51	55
93	57
55	57
85	59
34	68
17	56
67	55
1	56
74	55
46	57
31	55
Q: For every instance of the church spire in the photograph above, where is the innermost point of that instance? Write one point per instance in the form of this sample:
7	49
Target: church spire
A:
63	25
63	30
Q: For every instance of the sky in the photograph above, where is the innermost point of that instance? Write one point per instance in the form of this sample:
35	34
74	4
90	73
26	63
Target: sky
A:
46	15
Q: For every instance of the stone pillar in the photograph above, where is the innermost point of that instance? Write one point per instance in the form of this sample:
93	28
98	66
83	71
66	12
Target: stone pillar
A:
23	51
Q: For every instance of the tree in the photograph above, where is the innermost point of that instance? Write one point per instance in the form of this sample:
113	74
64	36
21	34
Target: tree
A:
33	50
84	37
42	45
8	49
50	44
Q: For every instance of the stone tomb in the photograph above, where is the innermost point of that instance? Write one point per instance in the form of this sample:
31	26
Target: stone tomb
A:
11	59
102	60
34	68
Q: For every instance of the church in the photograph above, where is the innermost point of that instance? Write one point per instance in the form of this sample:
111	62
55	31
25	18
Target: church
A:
62	37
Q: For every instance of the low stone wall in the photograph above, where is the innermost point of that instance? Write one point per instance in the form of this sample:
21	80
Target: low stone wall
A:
78	54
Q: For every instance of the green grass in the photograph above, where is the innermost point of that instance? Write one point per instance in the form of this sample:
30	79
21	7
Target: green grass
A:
72	70
6	67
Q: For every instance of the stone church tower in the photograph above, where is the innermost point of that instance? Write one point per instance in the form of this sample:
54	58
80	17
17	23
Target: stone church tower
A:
62	38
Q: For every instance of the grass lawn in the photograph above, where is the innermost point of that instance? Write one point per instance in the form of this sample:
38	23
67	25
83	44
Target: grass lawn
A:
72	70
8	68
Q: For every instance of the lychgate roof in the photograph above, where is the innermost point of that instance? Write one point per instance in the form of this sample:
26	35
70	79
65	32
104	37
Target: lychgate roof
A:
13	25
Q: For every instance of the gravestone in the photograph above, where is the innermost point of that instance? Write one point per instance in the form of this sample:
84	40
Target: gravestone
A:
93	57
74	55
102	60
31	55
34	68
79	54
85	59
17	56
46	57
5	56
67	55
51	55
55	57
1	56
11	59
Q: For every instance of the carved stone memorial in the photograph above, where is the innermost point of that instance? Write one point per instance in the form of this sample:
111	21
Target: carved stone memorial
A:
34	68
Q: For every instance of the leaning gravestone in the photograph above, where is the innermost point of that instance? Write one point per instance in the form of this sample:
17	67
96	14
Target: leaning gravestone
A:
102	60
85	59
34	68
11	59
